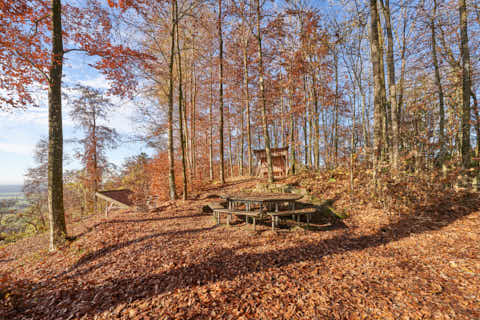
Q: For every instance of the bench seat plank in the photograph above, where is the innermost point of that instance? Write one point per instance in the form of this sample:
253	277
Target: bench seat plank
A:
215	205
293	212
239	212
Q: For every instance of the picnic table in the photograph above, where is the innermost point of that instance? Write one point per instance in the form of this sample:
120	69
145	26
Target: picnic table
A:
261	205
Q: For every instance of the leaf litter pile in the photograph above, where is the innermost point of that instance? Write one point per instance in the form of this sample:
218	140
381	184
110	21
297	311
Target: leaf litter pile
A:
176	264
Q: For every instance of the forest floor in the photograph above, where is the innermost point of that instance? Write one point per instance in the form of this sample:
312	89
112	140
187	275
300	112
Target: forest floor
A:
176	264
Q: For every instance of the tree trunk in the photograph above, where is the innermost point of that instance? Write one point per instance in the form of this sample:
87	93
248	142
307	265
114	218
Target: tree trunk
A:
266	136
210	155
180	107
282	122
316	145
438	83
220	40
171	172
247	107
305	123
292	142
401	85
335	126
393	89
230	154
194	116
56	214
352	144
465	53
95	164
242	139
378	98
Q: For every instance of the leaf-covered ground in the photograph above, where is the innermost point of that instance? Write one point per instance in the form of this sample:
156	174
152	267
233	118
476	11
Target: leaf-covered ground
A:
176	264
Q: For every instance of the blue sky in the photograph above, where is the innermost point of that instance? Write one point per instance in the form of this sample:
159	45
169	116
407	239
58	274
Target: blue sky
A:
21	129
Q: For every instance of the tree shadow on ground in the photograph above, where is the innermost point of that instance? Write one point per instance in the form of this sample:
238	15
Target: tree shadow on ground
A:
120	221
90	257
226	262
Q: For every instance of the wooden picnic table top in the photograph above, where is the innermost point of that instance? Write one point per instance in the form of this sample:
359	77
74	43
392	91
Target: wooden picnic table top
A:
262	197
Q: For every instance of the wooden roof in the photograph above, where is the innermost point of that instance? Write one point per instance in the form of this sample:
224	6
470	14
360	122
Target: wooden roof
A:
272	150
119	197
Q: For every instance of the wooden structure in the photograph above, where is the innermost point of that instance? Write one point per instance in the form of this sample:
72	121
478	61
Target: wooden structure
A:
119	198
279	161
260	206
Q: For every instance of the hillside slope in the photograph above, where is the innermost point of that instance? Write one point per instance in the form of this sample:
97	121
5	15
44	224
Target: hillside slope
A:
176	264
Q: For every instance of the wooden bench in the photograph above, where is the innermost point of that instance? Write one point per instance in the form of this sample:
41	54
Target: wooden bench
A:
252	214
296	213
215	205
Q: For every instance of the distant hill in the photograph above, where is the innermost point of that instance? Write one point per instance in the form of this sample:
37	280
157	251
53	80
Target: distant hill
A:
11	188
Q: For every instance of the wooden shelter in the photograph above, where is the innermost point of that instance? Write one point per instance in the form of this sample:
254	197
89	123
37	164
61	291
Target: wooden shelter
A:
279	161
116	198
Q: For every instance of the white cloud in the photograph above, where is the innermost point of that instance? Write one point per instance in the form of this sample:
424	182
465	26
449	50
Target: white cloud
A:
99	82
23	149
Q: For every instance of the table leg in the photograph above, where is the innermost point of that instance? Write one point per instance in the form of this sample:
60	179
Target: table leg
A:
229	217
273	223
309	216
254	224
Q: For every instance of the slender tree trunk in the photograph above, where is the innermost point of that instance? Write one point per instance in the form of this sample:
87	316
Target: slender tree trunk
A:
401	85
282	121
305	123
385	106
56	214
194	115
230	154
266	136
394	150
365	126
210	155
466	85
335	126
438	83
95	161
171	169
292	143
316	145
220	40
378	97
477	124
180	106
247	107
242	139
352	144
326	150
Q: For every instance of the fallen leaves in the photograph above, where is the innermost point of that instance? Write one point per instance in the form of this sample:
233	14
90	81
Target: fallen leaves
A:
177	265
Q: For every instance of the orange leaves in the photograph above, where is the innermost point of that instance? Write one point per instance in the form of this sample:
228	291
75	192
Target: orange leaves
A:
176	265
123	4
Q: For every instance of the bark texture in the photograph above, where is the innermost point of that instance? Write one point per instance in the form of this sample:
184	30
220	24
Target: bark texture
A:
466	67
56	214
263	100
